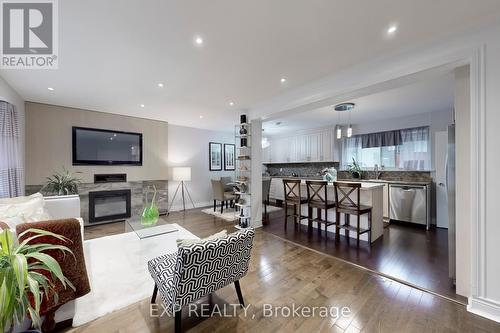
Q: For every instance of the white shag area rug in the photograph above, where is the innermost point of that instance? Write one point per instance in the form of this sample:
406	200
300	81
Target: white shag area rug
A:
118	272
230	214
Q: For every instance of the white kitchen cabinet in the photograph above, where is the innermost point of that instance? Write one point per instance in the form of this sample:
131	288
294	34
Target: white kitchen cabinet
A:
314	149
385	199
326	146
301	145
316	146
385	196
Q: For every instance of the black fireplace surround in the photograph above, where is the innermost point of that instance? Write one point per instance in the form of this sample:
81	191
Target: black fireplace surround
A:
109	205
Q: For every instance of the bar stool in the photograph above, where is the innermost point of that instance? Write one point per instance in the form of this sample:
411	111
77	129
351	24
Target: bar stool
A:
317	197
344	204
293	197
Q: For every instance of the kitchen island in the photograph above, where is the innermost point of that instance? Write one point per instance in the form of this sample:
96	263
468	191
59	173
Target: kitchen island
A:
371	195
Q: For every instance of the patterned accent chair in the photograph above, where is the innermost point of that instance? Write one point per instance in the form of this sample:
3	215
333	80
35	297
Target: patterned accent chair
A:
197	270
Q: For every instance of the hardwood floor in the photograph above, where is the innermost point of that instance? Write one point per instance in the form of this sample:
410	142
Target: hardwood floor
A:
407	253
283	273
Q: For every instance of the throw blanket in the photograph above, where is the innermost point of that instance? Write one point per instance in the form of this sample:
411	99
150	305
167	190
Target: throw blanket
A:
75	271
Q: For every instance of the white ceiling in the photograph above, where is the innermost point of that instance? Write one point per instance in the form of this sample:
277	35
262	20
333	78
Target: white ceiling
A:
433	94
113	53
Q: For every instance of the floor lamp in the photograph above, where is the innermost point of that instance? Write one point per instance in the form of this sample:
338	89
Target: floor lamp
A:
181	174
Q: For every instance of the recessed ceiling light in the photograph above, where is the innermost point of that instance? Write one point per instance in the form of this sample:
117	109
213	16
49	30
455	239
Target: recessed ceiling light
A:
50	88
283	80
160	85
231	103
392	29
198	40
201	117
142	105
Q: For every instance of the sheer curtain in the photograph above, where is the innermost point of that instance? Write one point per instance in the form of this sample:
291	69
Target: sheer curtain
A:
11	168
351	148
414	149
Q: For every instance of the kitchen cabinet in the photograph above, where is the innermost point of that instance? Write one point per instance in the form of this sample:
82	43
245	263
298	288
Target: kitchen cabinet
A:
326	146
315	146
385	196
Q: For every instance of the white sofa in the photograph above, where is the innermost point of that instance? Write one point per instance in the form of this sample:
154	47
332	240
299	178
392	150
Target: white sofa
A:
64	207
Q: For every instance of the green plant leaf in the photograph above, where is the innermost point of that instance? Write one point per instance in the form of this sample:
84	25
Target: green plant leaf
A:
18	278
35	291
42	280
6	241
51	263
20	267
39	233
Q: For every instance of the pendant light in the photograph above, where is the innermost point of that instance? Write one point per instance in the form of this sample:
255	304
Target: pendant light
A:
339	129
340	108
349	129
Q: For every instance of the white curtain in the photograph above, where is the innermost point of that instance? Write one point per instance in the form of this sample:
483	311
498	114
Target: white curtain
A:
351	148
414	150
11	168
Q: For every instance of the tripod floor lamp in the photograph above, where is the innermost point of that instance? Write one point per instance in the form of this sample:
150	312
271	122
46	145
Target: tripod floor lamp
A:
182	175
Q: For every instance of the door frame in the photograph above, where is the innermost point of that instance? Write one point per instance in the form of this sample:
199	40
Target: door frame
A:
473	54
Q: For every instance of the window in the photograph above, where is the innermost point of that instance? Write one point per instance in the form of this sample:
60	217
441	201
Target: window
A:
409	150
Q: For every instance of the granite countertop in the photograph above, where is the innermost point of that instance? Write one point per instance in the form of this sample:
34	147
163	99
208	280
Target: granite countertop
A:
403	182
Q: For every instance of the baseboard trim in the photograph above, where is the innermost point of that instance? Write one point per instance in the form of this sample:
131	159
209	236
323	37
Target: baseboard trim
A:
485	308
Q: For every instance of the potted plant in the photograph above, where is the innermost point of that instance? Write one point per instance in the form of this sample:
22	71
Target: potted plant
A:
355	169
62	183
22	284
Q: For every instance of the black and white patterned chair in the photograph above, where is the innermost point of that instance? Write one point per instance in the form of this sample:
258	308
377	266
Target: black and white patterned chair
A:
197	270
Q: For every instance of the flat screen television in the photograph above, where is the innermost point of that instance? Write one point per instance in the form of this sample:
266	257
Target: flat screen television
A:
92	146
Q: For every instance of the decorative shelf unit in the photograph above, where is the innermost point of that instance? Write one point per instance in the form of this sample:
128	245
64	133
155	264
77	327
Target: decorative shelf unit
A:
242	134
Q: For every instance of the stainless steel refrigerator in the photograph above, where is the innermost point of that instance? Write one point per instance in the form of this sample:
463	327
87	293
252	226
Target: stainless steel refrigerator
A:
450	187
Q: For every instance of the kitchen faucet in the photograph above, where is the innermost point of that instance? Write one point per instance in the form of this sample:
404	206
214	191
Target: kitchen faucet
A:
377	171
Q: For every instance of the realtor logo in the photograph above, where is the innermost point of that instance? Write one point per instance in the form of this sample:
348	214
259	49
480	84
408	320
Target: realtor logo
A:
29	34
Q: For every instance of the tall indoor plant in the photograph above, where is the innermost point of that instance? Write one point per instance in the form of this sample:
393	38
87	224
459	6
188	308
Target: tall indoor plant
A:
22	285
62	183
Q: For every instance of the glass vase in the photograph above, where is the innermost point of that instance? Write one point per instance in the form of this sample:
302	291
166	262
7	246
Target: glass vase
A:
150	214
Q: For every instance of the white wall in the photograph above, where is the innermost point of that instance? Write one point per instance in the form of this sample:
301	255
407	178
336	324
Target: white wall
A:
188	146
48	139
10	95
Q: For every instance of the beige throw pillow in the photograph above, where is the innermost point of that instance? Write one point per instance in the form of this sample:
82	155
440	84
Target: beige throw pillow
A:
186	242
14	211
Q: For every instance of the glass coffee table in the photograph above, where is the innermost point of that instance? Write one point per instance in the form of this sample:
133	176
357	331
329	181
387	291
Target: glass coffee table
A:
161	228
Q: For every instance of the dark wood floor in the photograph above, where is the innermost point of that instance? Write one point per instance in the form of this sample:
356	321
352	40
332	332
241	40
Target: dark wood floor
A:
282	273
408	253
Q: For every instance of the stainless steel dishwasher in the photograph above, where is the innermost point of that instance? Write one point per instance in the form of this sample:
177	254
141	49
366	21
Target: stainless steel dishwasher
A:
410	203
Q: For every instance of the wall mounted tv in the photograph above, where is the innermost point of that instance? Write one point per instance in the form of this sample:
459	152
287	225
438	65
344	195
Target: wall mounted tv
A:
92	146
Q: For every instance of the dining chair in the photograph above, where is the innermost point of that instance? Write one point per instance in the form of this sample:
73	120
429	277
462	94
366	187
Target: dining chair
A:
293	197
317	197
266	186
220	195
344	203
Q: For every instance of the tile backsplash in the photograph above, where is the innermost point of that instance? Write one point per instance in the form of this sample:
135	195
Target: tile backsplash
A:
301	169
417	176
314	169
